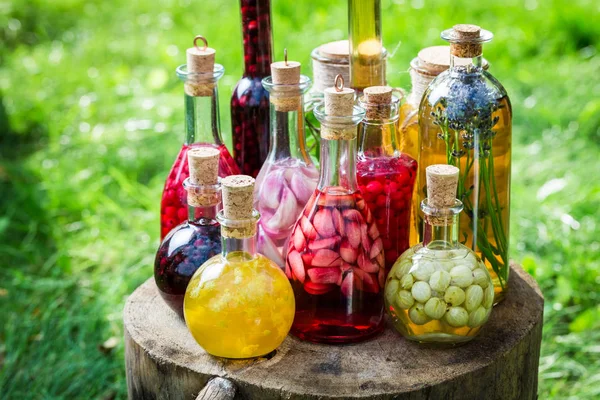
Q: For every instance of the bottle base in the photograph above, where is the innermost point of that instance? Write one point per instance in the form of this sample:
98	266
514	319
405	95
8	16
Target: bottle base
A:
323	332
440	340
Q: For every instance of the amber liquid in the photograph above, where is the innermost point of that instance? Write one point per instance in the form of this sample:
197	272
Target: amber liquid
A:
407	136
476	221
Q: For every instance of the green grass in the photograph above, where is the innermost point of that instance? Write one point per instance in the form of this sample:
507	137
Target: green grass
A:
91	119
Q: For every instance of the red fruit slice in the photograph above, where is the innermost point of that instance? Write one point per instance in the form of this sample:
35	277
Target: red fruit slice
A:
368	215
348	253
365	239
345	266
369	281
360	205
376	248
373	231
299	239
347	286
380	259
366	264
307	259
288	270
353	234
327	243
338	221
323	223
326	258
353	215
324	275
310	203
318	288
307	228
297	265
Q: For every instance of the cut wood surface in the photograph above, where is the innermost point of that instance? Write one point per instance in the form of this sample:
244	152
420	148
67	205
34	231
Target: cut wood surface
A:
164	362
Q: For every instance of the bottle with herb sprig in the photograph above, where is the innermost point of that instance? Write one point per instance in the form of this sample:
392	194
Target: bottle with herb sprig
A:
465	120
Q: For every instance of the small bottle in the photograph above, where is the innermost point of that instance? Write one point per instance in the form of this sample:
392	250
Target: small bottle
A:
194	241
465	120
429	63
335	257
439	291
386	176
250	100
202	129
239	304
288	177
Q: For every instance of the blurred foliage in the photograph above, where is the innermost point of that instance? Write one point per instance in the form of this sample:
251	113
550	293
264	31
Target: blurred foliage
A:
91	119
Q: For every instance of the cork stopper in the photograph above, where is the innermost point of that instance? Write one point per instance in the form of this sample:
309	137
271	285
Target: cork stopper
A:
467	43
442	181
200	60
434	60
238	197
338	50
204	175
377	101
339	102
286	73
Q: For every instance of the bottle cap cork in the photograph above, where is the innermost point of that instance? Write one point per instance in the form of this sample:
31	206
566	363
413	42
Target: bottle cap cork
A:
339	102
204	176
285	72
238	197
377	100
338	50
466	40
200	60
442	181
434	60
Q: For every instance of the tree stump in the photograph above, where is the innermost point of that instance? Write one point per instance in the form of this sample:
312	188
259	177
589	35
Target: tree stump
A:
164	362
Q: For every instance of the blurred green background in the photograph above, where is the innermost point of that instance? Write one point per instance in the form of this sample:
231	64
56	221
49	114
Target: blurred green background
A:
91	118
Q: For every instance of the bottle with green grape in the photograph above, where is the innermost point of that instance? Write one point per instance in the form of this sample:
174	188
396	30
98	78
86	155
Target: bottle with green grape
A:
439	291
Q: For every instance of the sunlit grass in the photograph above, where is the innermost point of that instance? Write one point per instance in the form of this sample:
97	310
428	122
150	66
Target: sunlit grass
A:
91	120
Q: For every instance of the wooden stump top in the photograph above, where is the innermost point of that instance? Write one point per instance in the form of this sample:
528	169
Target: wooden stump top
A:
502	359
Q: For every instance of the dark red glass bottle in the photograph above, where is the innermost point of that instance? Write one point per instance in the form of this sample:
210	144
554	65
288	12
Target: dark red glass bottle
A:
250	100
202	129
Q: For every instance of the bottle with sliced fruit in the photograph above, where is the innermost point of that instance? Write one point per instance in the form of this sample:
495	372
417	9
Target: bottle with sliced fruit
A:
288	177
439	291
335	258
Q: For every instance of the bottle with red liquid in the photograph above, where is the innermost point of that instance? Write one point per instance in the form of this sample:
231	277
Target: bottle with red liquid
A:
202	129
386	176
335	258
250	100
191	243
288	177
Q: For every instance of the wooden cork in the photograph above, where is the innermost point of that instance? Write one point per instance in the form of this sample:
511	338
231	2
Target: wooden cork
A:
442	181
377	100
339	102
201	61
467	44
338	50
204	175
238	196
434	60
285	73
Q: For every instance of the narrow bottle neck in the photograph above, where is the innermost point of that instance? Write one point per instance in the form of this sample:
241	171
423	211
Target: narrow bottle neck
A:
338	165
438	235
476	63
231	244
196	213
287	134
202	119
378	138
367	66
257	40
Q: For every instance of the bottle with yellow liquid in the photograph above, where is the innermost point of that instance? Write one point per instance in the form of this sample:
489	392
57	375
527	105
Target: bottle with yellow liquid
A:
239	304
465	120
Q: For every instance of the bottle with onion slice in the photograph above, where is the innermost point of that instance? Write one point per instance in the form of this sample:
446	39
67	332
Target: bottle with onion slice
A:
335	258
386	176
288	177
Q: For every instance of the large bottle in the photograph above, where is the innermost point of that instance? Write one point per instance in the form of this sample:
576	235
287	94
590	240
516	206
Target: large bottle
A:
335	259
191	243
288	177
202	129
465	120
386	176
239	304
250	100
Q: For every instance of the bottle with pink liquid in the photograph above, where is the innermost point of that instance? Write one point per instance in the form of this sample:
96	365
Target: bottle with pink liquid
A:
288	177
202	129
335	258
386	176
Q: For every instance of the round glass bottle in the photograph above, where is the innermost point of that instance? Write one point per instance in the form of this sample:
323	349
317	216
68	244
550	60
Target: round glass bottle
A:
471	117
250	100
202	129
439	291
239	304
385	176
288	177
191	243
335	258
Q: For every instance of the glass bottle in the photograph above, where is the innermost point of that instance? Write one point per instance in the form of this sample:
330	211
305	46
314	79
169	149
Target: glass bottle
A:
465	120
385	176
429	63
335	257
439	291
202	129
239	304
288	177
191	243
250	100
367	59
